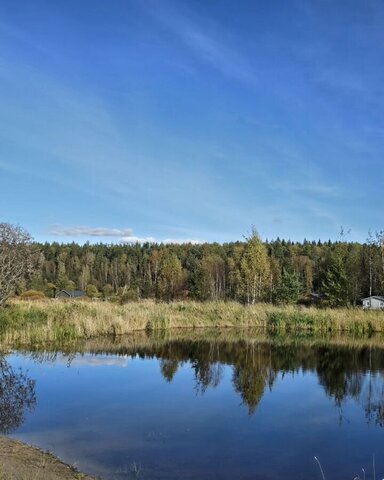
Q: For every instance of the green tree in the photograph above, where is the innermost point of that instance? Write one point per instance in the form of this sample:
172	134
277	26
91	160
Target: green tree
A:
71	285
51	289
289	289
335	284
171	276
213	266
254	269
62	278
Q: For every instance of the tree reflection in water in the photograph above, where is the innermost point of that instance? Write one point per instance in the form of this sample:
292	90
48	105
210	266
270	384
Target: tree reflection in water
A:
344	372
17	395
168	368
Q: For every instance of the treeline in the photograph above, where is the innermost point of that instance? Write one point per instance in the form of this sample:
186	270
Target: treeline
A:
275	271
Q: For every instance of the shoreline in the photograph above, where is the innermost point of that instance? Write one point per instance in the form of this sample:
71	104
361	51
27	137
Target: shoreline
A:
20	461
34	322
130	343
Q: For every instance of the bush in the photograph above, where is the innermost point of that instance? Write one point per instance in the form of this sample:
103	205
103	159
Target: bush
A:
32	295
131	295
289	321
92	291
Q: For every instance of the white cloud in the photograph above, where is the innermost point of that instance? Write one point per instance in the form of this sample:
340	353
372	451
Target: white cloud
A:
134	239
194	241
91	360
91	232
178	241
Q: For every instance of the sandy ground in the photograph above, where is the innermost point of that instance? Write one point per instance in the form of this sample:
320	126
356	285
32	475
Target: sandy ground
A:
22	462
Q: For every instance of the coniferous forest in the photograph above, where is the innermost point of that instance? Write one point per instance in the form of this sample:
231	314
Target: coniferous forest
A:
252	271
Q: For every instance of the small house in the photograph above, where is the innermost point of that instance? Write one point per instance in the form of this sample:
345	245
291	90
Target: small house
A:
374	302
70	294
318	298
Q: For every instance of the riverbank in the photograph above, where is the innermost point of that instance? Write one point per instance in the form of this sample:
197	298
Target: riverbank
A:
19	461
23	323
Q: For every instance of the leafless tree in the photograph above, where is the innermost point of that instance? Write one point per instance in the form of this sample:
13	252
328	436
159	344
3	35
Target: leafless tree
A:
18	258
17	396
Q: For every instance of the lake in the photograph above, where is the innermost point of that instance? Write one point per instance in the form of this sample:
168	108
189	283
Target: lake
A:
234	405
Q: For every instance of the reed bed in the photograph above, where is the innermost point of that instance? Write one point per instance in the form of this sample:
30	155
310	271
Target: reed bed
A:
26	322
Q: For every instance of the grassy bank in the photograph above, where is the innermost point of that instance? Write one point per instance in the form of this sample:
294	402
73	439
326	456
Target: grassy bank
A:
19	461
35	322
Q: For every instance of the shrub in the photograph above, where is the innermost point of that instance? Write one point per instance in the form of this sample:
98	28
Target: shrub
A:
32	295
92	291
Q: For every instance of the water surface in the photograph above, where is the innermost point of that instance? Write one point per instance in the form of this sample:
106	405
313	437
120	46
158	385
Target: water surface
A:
242	407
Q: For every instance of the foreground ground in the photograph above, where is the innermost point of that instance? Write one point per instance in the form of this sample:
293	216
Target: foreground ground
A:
22	462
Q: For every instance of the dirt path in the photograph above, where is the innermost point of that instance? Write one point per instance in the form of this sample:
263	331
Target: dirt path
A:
19	461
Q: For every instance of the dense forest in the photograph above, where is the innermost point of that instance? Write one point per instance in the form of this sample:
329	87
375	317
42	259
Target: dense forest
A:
277	271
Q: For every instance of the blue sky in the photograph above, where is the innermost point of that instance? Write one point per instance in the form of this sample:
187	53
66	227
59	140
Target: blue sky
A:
191	120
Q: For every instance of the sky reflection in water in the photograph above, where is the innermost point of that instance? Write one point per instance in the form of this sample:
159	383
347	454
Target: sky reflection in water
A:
209	410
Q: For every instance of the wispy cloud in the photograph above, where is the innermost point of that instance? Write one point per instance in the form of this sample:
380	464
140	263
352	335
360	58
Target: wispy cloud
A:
75	129
211	48
162	150
341	80
307	187
91	232
324	214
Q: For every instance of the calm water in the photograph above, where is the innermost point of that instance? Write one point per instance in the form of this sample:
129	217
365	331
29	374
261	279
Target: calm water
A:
188	409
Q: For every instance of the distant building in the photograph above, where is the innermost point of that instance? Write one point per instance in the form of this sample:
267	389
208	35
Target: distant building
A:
373	303
70	294
318	298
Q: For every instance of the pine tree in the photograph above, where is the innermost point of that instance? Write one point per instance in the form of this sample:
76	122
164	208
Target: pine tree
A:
335	283
289	288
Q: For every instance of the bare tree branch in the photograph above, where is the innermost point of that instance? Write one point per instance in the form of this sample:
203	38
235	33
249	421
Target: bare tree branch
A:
19	258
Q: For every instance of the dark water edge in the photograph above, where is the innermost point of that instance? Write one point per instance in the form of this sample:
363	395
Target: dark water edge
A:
202	404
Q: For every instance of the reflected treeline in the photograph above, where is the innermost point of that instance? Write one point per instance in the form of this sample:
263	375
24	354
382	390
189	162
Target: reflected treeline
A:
346	370
17	396
343	372
357	374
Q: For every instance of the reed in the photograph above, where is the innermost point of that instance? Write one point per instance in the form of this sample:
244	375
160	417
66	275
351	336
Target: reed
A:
26	322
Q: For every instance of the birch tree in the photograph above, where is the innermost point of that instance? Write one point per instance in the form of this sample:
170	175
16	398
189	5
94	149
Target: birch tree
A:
254	269
171	276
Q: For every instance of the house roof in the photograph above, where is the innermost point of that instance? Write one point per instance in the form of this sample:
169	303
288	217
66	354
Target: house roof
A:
375	297
72	293
319	296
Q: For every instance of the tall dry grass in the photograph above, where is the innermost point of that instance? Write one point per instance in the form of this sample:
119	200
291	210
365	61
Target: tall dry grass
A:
41	321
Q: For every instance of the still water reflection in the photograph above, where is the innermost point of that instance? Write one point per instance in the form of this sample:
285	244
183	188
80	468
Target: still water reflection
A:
229	407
